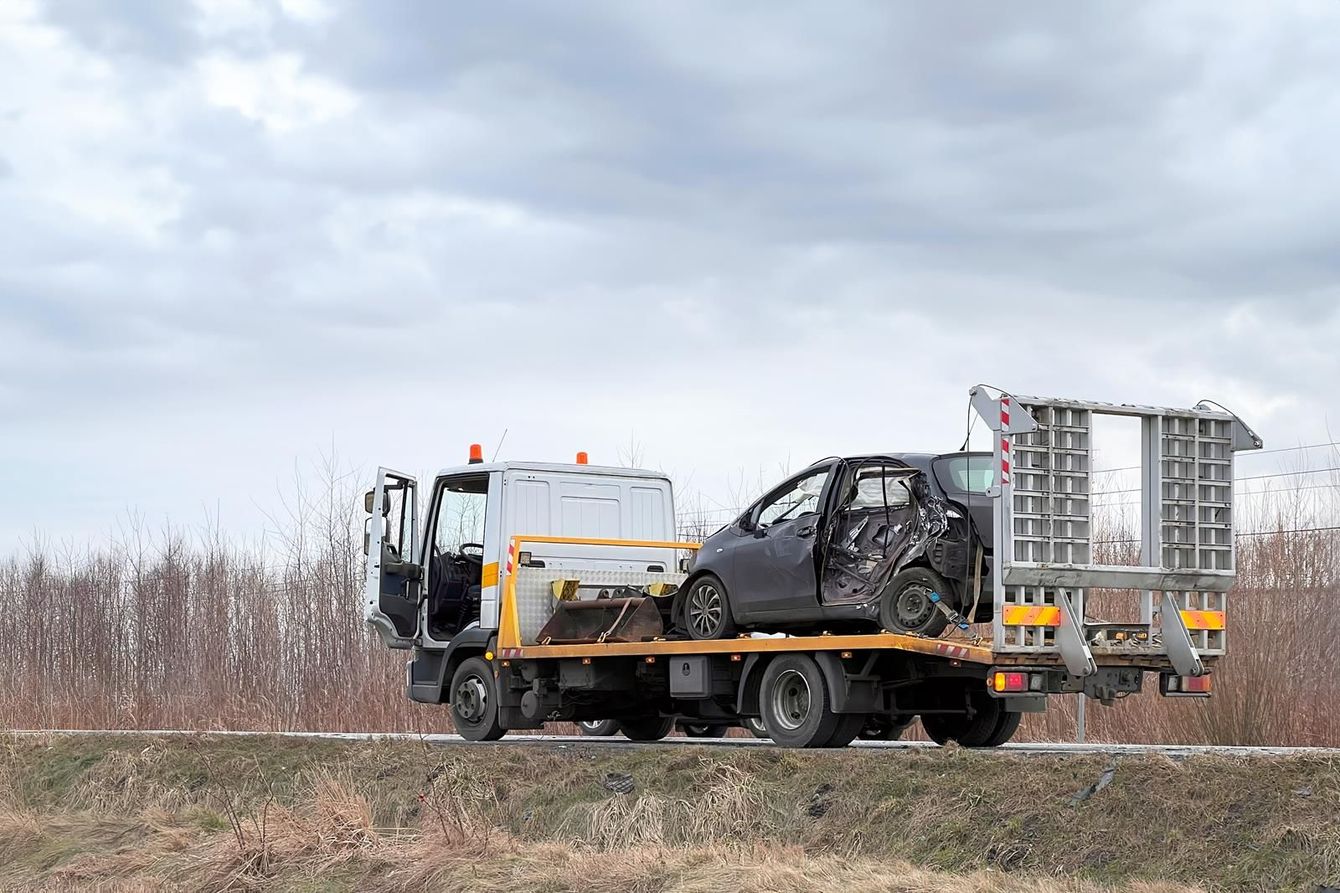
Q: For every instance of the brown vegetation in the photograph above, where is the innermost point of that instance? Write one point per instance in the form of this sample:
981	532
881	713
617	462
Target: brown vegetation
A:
195	630
227	813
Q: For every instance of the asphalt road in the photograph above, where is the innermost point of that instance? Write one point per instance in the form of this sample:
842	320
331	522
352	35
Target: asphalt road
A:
1172	750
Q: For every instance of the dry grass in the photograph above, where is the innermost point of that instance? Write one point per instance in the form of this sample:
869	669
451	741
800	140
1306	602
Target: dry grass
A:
279	814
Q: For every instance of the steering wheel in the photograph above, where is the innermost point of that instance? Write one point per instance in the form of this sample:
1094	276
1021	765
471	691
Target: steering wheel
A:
477	559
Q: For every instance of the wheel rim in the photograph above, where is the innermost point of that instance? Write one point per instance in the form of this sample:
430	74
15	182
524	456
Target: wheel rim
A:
592	725
472	700
791	700
913	607
705	609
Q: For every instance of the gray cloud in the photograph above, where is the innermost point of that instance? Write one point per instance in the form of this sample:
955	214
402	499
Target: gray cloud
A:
235	222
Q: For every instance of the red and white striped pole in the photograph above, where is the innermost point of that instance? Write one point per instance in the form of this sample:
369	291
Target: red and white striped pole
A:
1004	439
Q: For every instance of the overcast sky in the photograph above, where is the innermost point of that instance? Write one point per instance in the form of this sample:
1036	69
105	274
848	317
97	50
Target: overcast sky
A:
743	236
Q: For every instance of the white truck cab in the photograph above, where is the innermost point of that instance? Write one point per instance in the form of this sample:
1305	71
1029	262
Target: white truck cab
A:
437	573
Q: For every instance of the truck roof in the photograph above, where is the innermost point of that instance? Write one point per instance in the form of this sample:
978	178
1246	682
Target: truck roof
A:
554	467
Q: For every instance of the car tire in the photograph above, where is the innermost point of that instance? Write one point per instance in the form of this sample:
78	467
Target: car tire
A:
906	607
707	613
704	729
474	701
646	728
598	728
755	726
794	704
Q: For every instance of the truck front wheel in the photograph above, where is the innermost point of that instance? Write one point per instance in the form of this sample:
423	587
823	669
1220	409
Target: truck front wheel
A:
646	728
474	701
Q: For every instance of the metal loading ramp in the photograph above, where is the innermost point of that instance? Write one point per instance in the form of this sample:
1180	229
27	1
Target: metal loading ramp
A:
1043	524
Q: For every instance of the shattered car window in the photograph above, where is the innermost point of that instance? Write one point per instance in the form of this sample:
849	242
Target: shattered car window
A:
799	500
877	489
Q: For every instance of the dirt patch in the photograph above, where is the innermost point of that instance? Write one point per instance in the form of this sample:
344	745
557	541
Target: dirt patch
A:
283	813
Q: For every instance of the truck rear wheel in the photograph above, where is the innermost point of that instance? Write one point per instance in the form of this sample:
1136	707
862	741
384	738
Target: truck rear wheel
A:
794	704
991	726
646	728
704	729
474	701
886	728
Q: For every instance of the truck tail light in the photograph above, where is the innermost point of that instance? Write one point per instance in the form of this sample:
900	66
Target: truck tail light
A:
1186	686
1009	682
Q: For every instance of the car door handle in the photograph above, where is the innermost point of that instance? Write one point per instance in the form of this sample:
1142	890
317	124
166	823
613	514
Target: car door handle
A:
806	531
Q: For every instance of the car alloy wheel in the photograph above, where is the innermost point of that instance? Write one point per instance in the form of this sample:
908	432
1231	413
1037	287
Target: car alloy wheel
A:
706	610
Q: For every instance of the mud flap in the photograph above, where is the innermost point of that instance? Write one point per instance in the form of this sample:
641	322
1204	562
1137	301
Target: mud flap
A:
602	620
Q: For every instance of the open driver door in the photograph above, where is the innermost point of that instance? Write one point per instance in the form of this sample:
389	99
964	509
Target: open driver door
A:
394	587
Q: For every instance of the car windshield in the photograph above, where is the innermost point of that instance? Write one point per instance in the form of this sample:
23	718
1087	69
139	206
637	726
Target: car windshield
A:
971	473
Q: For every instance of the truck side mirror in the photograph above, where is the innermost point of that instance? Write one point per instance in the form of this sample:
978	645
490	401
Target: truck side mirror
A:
367	535
367	505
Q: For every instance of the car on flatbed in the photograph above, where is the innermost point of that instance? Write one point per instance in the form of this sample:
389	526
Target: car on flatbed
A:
895	541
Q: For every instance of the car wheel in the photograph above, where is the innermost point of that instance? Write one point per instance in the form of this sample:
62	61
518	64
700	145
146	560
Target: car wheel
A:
705	729
646	728
707	613
793	701
885	728
599	728
906	605
755	726
474	701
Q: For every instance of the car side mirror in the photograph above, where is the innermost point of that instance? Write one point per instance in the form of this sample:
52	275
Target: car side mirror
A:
367	505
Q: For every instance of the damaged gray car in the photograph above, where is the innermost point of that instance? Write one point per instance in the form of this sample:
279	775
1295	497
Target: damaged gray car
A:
897	542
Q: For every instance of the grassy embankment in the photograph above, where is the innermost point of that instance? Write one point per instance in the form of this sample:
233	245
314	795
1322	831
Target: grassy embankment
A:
137	813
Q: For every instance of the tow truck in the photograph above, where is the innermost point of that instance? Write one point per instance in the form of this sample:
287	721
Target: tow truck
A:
535	592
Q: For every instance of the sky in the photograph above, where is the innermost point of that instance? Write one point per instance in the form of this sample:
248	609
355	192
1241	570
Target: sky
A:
720	239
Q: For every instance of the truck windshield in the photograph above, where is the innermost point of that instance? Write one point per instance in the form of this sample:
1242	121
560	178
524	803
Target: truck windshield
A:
968	472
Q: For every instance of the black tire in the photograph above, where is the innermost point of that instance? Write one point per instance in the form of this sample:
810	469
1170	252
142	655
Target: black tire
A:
704	729
885	728
848	727
598	728
755	726
474	701
646	728
1005	729
990	726
794	704
707	613
905	605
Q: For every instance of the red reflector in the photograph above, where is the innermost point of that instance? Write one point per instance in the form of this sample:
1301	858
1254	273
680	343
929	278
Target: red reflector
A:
1198	684
1009	682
